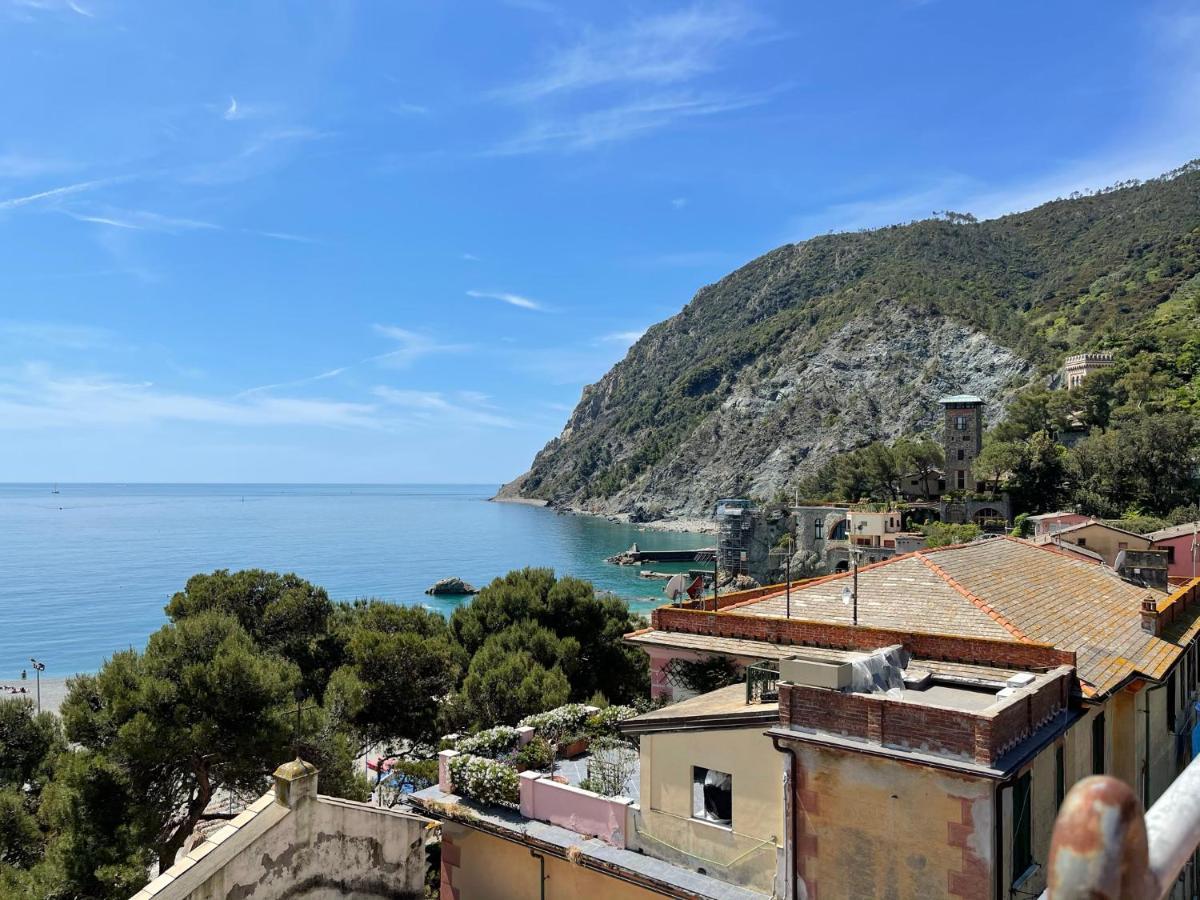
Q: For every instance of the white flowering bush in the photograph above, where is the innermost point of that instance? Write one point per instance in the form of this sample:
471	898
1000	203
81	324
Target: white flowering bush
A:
492	743
604	723
561	720
485	780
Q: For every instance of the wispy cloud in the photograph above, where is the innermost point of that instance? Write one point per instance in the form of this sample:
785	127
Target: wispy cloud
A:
410	346
142	220
57	193
37	336
470	257
435	407
588	130
26	10
268	147
36	396
413	345
623	337
616	84
25	165
659	50
41	398
510	299
679	202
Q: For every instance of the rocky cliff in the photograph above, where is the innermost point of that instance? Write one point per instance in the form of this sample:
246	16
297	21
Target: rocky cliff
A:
829	344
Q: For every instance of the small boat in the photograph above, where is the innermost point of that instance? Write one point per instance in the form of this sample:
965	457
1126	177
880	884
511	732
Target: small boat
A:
55	490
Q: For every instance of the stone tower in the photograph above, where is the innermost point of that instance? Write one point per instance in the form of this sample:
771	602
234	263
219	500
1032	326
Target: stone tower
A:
962	439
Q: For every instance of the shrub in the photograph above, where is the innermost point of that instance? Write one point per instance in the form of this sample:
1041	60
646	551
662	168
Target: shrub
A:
491	743
485	780
558	721
536	756
604	723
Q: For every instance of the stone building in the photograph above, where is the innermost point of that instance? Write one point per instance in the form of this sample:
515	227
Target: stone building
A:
1078	367
962	439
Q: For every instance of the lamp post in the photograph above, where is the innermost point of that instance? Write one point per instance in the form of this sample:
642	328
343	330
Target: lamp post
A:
38	669
850	593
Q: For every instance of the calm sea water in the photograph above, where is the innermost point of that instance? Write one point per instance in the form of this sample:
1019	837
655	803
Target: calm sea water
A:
87	571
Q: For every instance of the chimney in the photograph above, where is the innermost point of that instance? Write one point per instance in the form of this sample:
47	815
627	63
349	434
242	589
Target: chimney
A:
1149	614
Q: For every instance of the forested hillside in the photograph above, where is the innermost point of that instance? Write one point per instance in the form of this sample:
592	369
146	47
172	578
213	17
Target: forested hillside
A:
843	340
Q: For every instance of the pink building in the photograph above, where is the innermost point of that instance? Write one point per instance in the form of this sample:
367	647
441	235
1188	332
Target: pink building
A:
1177	541
1048	523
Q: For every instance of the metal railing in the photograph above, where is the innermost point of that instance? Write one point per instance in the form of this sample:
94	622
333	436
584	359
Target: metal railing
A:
762	682
1105	847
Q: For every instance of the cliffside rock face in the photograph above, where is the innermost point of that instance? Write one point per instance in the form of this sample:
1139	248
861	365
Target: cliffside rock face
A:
827	345
876	377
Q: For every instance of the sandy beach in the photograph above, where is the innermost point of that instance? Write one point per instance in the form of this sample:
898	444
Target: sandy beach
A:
54	690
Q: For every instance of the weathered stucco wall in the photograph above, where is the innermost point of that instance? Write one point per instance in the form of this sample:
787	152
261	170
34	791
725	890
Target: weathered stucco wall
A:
477	865
874	827
302	847
745	853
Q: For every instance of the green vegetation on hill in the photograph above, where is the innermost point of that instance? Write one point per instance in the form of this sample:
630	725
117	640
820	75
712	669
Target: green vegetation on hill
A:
1117	270
158	737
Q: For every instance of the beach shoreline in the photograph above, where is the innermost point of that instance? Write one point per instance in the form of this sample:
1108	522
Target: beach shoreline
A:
54	691
680	525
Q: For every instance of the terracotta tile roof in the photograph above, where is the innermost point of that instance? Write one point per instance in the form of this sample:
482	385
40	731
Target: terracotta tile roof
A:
1002	588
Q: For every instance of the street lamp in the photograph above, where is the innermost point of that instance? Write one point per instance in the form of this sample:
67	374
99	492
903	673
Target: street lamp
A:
38	669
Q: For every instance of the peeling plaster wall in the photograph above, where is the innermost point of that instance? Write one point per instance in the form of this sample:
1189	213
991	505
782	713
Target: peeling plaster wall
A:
324	849
873	827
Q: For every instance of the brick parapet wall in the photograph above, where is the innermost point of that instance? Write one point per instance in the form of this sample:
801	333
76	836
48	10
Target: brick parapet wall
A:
981	737
800	632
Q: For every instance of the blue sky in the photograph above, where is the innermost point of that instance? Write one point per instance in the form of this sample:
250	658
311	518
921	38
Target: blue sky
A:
391	241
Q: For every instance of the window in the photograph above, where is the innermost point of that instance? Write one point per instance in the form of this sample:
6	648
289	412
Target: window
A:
962	478
1082	542
712	795
818	529
1022	835
1060	776
961	453
1098	744
1170	554
1171	702
960	423
1122	545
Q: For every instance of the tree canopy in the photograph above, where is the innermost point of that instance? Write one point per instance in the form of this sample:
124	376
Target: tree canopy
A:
210	706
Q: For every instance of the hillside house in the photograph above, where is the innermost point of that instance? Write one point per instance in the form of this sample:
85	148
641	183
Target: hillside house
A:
1182	548
1099	537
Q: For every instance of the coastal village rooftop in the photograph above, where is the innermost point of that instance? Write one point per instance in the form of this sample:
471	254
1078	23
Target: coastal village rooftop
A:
1003	601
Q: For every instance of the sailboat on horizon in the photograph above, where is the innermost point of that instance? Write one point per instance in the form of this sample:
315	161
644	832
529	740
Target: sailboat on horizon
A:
54	490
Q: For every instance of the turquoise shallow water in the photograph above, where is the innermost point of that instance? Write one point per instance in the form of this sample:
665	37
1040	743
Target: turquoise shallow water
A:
87	571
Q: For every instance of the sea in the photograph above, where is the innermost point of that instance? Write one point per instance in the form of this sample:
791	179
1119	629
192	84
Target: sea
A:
86	571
